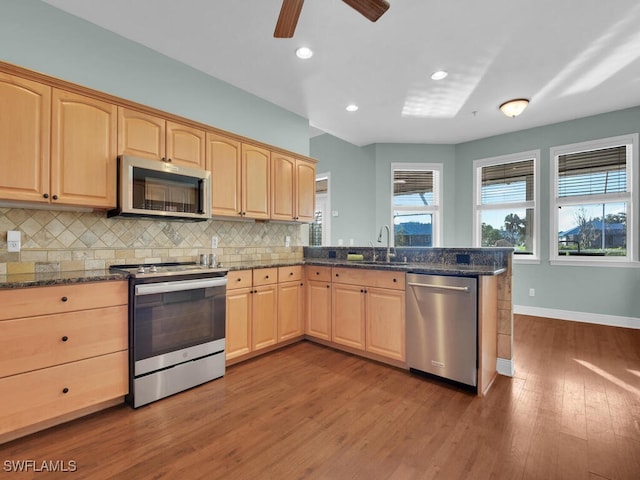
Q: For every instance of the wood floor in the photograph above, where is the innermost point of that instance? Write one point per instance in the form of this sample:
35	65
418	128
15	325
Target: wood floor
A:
572	411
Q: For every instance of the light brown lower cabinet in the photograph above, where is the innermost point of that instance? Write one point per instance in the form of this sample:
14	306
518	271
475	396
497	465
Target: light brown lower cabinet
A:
63	353
368	311
318	302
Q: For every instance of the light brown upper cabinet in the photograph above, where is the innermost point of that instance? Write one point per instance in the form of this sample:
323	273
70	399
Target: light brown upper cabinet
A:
144	135
240	181
293	188
224	163
25	133
83	151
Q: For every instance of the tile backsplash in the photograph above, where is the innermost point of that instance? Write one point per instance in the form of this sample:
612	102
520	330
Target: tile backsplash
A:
65	240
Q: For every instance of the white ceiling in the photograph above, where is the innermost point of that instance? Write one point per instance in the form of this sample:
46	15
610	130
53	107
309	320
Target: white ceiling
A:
572	58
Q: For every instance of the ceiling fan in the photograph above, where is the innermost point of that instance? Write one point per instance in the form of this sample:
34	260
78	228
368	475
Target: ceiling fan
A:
290	11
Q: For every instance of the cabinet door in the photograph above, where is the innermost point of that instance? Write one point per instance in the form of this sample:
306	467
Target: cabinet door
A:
140	134
185	145
290	301
224	163
25	116
305	190
83	151
256	168
318	321
385	322
348	312
238	323
265	316
283	187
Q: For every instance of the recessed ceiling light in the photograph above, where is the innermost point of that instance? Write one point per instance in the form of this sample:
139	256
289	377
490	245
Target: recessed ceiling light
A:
439	75
304	53
351	108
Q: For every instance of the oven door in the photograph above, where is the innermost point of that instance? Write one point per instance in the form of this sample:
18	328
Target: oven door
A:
179	321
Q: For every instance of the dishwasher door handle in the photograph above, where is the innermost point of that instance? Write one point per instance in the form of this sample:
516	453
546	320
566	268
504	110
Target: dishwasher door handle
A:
441	287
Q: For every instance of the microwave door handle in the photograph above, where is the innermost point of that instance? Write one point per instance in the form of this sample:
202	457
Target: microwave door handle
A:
201	196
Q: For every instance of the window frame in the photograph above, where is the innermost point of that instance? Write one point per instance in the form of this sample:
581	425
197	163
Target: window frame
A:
631	197
478	207
435	210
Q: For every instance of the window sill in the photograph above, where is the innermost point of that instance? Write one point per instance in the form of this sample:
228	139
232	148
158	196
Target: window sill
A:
525	260
592	262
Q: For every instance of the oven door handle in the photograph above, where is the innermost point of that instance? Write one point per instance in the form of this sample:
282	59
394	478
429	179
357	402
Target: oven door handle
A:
166	287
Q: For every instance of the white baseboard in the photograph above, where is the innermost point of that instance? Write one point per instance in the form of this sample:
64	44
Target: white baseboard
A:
505	367
585	317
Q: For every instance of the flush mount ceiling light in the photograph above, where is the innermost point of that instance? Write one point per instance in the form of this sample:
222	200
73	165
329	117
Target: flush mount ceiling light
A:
351	107
439	75
515	107
304	53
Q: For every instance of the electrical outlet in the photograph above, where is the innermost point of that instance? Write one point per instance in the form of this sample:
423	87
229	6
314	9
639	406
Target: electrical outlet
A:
214	242
13	241
532	292
351	242
287	241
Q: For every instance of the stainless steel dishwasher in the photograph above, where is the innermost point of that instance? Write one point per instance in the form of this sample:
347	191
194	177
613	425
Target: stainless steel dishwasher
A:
442	327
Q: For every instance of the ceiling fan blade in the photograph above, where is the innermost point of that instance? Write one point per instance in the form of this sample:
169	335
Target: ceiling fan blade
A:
288	18
372	9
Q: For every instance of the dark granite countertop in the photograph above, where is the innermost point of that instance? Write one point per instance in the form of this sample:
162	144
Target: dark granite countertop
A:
424	268
22	280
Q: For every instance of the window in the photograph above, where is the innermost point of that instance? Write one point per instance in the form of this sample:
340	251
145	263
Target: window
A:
415	204
319	229
506	203
592	211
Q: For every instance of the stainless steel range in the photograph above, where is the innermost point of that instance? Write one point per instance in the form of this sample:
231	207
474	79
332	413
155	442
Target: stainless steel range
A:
176	328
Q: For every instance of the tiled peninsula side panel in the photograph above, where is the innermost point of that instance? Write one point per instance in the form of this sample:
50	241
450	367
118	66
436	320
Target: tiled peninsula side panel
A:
55	241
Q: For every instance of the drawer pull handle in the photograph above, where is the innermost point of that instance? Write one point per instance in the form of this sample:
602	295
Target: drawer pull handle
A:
64	299
65	338
65	390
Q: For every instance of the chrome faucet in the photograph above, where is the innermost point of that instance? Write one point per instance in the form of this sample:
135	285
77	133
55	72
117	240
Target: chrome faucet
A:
389	254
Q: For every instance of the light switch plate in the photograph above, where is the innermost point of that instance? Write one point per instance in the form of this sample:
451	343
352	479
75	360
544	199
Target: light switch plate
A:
13	241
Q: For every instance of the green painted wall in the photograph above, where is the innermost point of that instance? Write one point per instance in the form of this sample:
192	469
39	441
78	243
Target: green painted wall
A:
598	290
37	36
352	188
594	290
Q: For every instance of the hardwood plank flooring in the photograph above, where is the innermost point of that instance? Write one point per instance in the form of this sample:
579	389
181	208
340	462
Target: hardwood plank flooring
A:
572	411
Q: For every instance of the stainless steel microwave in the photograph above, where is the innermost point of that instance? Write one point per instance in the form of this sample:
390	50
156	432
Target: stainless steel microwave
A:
157	189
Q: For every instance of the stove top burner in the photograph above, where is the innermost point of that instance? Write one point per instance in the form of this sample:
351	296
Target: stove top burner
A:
168	269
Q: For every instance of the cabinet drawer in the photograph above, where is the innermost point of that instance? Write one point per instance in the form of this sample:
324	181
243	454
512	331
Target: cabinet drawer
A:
265	276
370	278
32	343
29	302
290	274
322	274
239	279
40	395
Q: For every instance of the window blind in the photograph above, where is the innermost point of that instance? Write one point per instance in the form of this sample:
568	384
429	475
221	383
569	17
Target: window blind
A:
415	187
594	172
507	182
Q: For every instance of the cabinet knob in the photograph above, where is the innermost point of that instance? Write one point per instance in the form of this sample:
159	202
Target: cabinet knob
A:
317	273
395	280
301	284
337	274
169	159
55	197
64	299
328	286
361	290
238	279
266	276
65	338
46	195
290	274
163	159
65	390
